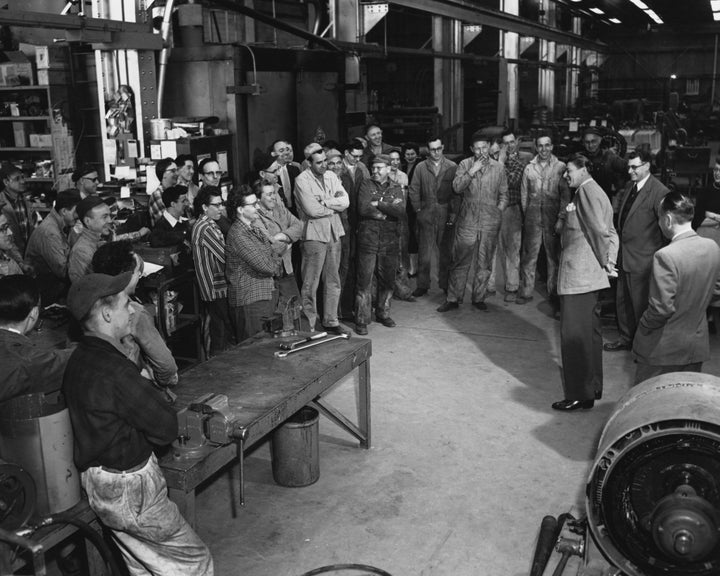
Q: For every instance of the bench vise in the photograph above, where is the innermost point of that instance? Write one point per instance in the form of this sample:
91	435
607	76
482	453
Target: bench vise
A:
206	420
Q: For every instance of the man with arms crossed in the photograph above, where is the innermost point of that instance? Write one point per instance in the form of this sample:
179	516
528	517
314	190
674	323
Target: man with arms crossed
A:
117	418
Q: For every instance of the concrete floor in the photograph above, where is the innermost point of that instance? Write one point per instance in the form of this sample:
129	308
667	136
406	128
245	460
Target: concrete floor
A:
467	455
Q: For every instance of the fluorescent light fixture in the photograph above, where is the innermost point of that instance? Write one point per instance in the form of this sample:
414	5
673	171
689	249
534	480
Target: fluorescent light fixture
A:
640	4
716	16
614	20
597	11
715	5
654	16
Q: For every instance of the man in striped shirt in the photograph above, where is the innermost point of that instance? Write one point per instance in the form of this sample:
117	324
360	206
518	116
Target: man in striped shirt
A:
208	249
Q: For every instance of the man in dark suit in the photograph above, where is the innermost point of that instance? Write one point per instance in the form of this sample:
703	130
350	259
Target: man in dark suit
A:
672	335
286	170
172	229
640	237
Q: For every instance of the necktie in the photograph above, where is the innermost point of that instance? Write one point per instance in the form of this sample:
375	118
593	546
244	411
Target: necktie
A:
628	204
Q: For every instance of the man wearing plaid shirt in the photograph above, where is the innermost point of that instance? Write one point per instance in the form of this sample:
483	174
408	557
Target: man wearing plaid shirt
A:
18	211
167	172
511	226
208	249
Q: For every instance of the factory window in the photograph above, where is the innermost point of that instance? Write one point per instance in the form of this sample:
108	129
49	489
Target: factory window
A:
692	87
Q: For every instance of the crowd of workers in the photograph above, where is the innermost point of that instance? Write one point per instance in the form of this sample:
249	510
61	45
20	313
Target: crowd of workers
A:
354	222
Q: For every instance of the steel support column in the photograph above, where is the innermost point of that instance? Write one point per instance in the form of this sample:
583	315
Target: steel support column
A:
509	96
448	96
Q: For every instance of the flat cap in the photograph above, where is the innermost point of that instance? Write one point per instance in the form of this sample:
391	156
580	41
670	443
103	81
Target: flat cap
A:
83	170
333	153
592	131
311	148
381	159
89	289
87	204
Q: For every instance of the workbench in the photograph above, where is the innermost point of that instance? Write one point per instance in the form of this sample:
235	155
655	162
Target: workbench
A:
263	392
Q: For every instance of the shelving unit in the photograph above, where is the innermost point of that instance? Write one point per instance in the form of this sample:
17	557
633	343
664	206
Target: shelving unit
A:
41	113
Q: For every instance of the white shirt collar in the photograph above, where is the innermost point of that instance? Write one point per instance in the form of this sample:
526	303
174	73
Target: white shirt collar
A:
641	183
170	218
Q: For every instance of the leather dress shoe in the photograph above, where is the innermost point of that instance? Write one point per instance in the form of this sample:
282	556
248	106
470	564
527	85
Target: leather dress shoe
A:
616	346
480	305
523	299
445	306
570	405
386	321
419	292
338	330
361	329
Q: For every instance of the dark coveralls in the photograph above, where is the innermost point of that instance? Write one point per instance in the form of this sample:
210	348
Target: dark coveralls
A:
377	246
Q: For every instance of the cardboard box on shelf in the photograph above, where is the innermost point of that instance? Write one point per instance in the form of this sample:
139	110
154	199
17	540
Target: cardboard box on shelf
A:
41	141
20	132
15	69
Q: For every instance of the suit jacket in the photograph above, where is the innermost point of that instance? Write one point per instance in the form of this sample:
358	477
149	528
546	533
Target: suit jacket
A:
640	236
588	240
673	329
164	234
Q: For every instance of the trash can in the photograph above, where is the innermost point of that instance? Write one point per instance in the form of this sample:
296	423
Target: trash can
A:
36	434
295	449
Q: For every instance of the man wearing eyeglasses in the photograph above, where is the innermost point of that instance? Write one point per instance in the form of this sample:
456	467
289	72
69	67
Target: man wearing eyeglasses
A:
167	172
605	166
640	237
431	194
210	175
86	180
19	212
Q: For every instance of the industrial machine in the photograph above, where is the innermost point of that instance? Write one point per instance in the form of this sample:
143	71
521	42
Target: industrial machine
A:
653	494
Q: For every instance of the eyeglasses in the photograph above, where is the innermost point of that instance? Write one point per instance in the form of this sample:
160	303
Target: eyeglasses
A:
96	179
217	204
252	203
636	168
218	174
436	149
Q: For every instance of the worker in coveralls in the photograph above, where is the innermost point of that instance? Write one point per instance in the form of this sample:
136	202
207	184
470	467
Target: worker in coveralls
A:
381	205
482	183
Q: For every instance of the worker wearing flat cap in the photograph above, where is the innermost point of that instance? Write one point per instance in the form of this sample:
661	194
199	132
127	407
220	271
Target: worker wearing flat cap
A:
381	206
94	215
117	419
605	166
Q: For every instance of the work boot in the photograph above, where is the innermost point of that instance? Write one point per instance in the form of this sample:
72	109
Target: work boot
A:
511	297
447	305
386	321
419	292
523	299
361	329
338	330
480	305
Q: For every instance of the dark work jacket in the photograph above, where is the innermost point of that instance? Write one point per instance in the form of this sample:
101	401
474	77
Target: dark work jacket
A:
379	226
116	414
28	368
163	234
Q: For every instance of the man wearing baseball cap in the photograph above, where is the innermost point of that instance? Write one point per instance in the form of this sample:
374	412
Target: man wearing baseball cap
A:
381	205
117	418
94	215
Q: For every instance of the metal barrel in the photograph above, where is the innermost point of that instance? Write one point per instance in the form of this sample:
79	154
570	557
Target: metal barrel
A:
296	449
36	433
